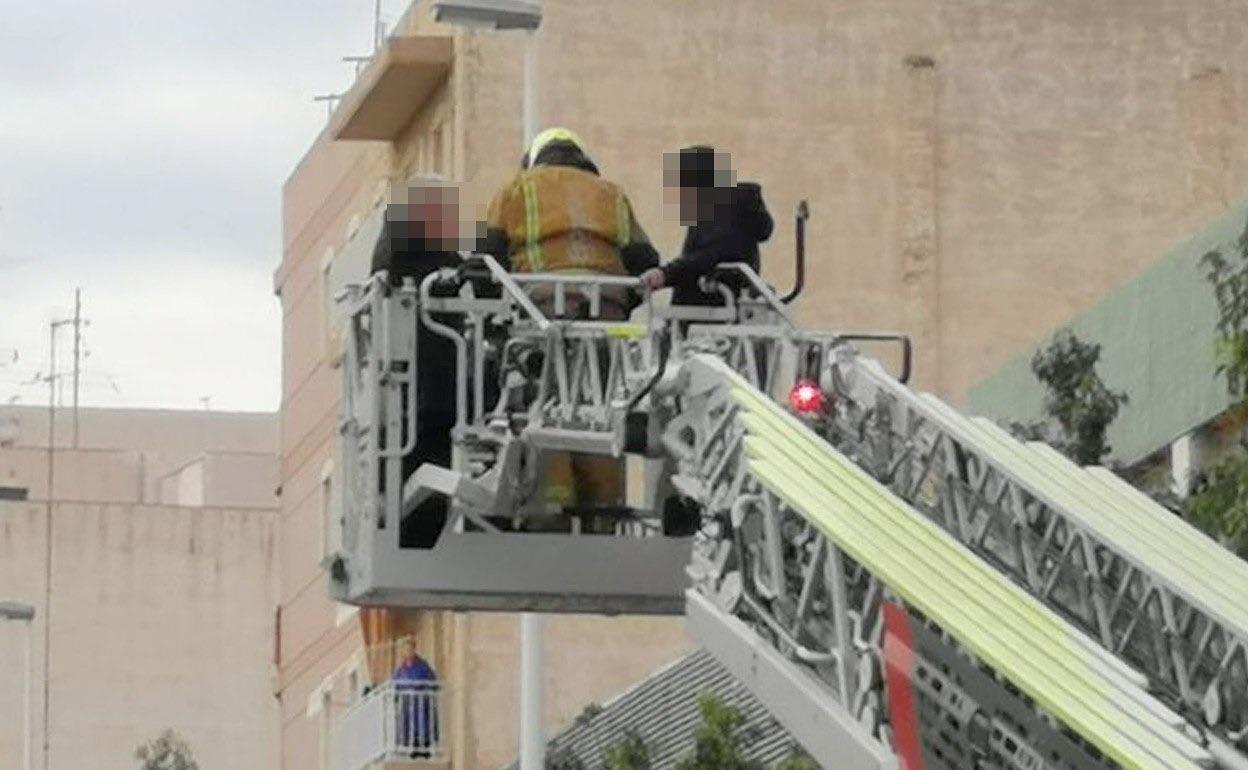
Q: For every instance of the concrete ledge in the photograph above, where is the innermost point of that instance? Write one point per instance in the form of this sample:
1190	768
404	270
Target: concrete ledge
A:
392	88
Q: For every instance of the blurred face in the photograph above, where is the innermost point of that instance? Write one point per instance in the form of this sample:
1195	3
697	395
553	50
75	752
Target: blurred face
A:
439	221
435	213
688	198
406	650
682	170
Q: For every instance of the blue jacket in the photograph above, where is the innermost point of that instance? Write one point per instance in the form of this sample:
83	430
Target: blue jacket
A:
415	669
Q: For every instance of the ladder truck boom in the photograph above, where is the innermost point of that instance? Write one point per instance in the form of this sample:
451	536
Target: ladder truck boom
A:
1132	575
903	587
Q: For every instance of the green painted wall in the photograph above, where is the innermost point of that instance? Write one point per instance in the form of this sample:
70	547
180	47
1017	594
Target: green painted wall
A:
1157	337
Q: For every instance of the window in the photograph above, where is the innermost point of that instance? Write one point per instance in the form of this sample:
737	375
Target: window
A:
331	515
425	163
327	727
14	493
327	299
353	227
381	193
439	149
448	145
344	613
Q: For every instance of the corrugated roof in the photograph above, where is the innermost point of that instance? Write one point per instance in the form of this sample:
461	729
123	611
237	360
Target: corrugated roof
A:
663	710
1157	332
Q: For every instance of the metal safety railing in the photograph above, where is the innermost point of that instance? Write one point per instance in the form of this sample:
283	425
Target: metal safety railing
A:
1132	576
398	722
809	554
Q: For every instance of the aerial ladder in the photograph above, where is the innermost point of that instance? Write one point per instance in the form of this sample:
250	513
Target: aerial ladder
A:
902	586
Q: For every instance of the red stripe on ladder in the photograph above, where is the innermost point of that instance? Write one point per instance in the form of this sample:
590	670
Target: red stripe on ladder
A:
898	679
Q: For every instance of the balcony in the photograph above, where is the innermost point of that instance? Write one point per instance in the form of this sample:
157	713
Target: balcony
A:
392	88
394	726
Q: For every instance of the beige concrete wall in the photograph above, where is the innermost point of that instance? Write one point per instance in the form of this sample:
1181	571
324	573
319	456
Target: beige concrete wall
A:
233	480
144	456
976	170
184	486
171	432
237	480
161	617
101	475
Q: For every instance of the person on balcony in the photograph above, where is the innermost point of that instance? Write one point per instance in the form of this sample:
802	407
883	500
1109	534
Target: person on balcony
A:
415	693
421	235
558	215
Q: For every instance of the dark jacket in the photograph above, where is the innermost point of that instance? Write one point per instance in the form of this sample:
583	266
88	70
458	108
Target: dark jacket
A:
730	234
403	254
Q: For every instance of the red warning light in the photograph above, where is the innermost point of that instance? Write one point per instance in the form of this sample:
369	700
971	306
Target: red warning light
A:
806	397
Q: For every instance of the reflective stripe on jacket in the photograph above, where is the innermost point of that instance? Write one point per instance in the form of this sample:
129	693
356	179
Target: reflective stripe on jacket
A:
562	219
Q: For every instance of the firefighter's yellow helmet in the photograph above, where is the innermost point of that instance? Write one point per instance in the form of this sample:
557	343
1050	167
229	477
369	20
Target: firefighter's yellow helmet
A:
550	136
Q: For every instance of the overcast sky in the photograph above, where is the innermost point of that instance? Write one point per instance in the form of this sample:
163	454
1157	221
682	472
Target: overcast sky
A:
143	145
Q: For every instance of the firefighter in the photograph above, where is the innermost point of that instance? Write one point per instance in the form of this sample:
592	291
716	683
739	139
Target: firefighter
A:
559	216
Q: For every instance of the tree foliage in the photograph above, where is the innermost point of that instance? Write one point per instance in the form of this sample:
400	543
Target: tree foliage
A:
1220	504
1078	406
719	742
168	751
1229	278
631	753
562	758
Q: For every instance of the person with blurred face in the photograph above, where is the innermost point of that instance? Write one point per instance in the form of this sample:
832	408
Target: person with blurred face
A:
726	222
421	235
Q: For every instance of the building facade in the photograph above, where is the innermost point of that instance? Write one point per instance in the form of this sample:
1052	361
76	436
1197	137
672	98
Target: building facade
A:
159	542
976	171
1159	336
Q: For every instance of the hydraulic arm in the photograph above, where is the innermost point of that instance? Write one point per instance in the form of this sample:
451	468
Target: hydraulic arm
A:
902	586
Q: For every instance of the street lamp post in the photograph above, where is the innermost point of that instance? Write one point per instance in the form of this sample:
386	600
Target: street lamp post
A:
23	613
503	16
524	16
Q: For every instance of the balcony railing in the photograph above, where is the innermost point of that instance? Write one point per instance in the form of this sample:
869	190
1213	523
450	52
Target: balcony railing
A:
397	723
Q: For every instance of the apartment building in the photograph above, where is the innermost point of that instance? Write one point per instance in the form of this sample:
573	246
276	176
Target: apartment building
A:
162	568
976	171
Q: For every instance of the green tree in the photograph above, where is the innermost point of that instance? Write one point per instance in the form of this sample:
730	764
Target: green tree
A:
1078	406
562	758
1229	278
720	740
1219	505
631	753
168	751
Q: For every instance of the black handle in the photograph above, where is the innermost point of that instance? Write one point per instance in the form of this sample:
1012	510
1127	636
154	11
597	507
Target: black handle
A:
799	273
665	347
907	349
